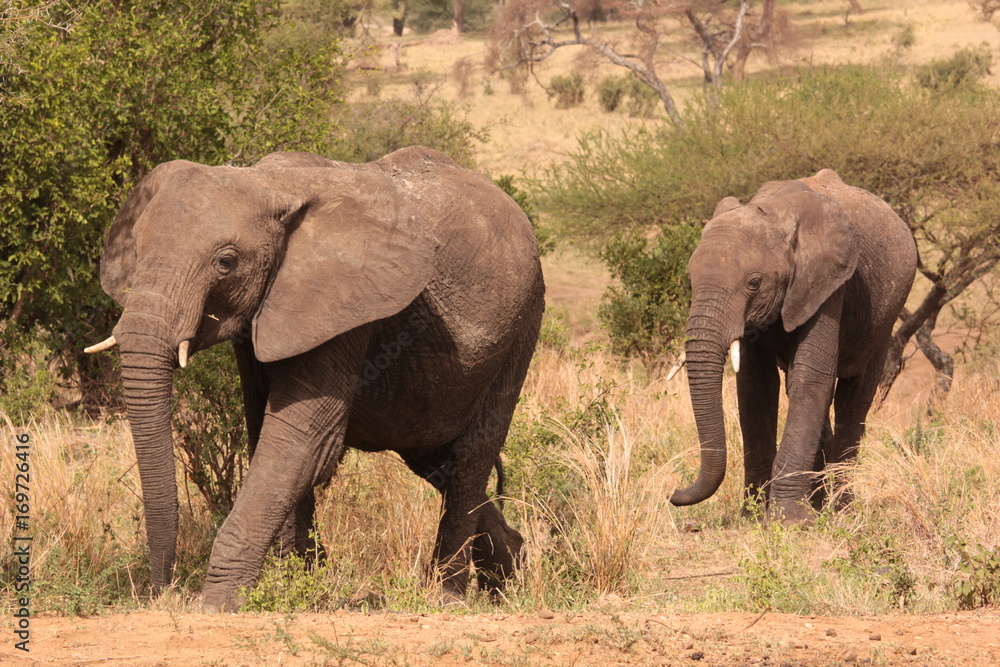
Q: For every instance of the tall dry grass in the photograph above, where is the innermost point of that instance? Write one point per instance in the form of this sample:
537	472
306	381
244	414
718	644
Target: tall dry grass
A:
595	450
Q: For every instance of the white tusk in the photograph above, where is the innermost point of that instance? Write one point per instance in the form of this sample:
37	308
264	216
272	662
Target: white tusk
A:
734	354
182	353
676	368
105	344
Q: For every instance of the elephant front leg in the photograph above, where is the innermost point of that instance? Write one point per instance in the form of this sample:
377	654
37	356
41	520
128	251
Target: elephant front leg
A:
757	387
300	443
809	384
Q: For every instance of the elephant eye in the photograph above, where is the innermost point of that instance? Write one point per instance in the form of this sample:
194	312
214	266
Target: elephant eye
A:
226	262
754	283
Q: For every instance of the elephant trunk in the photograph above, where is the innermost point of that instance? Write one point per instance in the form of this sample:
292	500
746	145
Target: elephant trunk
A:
706	358
148	362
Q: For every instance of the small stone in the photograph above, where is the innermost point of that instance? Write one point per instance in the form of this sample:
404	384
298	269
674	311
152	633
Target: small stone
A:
414	619
697	655
425	626
546	614
913	651
795	643
530	638
875	637
830	632
851	656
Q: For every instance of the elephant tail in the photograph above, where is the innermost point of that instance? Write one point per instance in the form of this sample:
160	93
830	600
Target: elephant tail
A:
498	464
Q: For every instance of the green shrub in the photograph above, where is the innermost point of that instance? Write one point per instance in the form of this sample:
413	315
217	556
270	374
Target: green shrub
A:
611	91
878	565
642	100
978	585
963	68
645	312
370	129
568	90
86	112
27	382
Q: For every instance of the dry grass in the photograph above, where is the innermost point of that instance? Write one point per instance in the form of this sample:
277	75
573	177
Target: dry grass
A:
609	446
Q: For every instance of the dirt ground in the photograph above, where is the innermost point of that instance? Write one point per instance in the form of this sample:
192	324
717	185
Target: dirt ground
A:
541	638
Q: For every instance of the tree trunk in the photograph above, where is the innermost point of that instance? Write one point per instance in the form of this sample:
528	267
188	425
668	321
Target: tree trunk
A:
458	16
941	360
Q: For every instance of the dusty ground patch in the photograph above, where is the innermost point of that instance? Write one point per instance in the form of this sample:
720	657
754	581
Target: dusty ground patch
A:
593	638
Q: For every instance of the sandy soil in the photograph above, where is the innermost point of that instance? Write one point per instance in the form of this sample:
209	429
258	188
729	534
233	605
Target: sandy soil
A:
543	638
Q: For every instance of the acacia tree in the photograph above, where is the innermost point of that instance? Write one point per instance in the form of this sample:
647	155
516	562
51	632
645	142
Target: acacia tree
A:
726	31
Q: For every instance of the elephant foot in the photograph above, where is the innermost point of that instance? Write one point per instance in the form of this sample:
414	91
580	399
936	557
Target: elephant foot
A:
790	512
220	600
450	598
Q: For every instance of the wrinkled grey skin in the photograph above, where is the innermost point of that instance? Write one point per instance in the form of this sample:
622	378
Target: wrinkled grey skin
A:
809	276
386	306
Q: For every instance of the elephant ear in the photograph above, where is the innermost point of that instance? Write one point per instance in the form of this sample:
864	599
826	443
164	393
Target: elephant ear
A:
356	253
119	255
825	251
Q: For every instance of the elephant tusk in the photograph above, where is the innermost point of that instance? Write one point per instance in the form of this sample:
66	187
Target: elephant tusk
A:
734	354
182	353
105	344
676	368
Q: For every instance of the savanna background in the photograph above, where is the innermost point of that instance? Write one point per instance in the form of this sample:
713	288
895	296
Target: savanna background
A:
617	167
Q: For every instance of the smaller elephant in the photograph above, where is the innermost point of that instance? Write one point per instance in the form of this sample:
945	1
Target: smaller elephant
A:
809	277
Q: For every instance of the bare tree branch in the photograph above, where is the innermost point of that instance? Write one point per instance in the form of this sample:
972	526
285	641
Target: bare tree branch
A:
530	31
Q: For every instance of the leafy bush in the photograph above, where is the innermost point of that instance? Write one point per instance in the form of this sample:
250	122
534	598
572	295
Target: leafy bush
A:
642	100
88	111
567	89
611	91
27	380
369	129
979	583
646	311
966	66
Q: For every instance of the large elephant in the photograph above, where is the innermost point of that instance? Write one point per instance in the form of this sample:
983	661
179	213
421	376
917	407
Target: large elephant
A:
385	306
809	276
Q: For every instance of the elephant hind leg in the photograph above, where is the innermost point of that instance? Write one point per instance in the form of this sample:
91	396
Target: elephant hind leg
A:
851	404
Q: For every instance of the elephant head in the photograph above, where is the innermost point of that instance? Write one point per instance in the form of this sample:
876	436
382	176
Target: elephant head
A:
772	262
290	253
